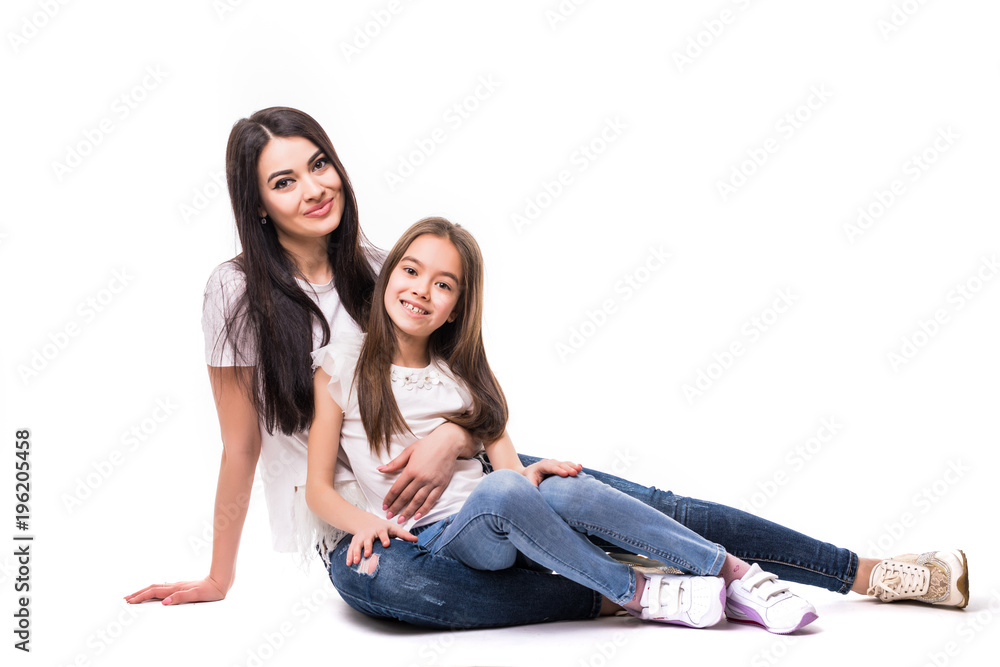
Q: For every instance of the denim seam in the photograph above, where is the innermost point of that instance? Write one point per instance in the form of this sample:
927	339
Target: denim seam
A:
845	583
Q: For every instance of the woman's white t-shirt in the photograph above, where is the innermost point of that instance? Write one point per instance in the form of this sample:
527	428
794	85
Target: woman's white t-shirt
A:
282	457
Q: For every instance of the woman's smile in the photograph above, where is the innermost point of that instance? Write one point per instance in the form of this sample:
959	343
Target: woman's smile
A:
320	210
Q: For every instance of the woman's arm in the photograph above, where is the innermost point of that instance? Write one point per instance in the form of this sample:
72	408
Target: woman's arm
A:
322	498
503	456
240	451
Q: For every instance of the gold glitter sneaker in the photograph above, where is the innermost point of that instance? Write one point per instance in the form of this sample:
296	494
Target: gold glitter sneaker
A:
934	577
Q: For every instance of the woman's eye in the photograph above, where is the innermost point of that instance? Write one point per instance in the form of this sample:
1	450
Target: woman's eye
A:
283	183
409	270
320	164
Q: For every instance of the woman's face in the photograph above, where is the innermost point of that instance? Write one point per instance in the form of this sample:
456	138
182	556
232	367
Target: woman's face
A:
423	288
300	190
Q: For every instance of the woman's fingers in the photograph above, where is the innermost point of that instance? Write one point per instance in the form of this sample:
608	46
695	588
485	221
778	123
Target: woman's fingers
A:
155	592
429	503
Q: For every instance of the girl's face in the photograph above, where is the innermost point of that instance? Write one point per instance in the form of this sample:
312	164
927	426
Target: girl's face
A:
300	190
424	287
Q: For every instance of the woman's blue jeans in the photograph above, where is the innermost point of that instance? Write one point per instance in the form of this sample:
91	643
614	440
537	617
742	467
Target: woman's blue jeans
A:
507	517
412	584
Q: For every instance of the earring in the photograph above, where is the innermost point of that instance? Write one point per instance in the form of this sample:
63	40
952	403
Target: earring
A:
263	220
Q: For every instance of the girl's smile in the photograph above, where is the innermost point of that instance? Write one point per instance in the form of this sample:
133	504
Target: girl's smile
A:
423	290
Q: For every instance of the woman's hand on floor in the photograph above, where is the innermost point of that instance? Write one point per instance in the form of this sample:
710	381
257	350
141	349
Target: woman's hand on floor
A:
181	592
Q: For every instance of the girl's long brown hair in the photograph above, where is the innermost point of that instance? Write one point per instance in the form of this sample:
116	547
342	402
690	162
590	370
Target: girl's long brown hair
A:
458	344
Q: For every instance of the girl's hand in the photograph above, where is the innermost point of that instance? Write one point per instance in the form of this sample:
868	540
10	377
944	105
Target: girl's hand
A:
202	590
536	472
361	544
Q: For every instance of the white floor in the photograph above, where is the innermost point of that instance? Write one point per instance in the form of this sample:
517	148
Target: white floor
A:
293	618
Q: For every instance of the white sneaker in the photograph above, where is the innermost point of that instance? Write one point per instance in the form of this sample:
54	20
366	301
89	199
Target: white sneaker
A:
682	599
759	598
934	577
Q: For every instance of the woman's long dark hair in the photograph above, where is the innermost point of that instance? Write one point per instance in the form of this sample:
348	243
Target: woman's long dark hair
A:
274	316
459	344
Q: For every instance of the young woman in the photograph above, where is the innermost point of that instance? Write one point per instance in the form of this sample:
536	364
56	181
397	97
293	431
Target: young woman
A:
305	277
423	362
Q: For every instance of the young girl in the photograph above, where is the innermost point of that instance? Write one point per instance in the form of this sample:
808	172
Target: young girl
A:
422	363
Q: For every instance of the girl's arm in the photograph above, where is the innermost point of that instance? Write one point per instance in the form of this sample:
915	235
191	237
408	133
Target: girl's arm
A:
503	457
240	451
322	498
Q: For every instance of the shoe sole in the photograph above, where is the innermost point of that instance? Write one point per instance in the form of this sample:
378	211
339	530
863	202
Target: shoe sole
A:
807	618
753	618
963	581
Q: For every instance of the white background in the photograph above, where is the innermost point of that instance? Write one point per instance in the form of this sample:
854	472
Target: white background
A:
141	201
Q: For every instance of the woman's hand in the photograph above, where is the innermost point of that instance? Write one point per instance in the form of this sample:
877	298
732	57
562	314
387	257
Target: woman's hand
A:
536	472
361	544
427	467
202	590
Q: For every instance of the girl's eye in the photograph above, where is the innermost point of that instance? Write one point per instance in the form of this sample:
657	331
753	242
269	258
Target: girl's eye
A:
282	184
444	286
320	164
409	270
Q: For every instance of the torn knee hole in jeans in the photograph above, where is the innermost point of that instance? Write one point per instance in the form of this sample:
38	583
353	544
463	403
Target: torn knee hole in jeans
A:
368	565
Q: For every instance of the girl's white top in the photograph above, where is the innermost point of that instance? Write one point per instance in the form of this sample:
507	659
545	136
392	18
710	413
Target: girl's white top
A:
423	396
282	463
